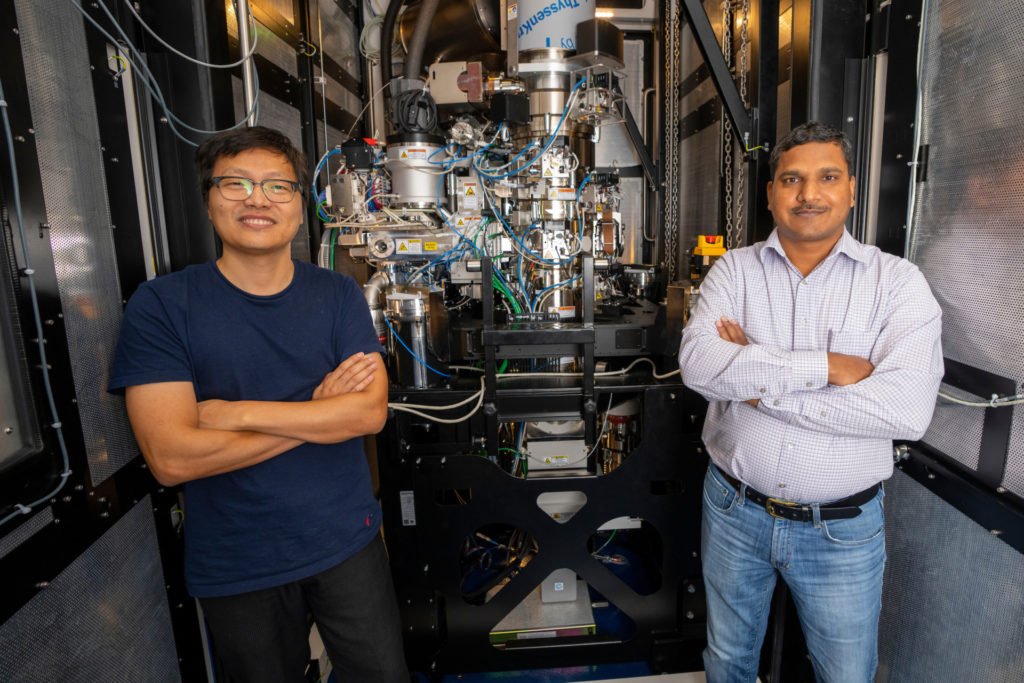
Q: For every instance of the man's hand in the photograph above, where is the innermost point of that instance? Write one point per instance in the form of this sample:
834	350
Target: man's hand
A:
844	370
354	374
730	331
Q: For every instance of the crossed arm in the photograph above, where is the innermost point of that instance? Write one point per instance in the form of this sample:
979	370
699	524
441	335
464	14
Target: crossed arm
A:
817	390
183	439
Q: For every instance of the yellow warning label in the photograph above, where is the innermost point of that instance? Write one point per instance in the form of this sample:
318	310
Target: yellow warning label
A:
460	222
404	154
547	172
430	246
402	247
469	191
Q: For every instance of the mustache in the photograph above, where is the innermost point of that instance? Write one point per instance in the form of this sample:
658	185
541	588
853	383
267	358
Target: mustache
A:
807	206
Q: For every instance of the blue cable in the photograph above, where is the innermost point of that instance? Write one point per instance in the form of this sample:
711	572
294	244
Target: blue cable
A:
149	80
320	167
411	352
547	146
540	294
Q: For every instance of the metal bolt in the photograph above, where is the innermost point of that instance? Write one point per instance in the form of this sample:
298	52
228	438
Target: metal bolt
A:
931	476
997	532
689	615
691	589
19	138
8	430
15	31
849	119
909	17
31	131
104	514
1000	489
42	584
426	568
672	396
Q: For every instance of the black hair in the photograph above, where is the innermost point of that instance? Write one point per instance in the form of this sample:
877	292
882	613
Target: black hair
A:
813	131
231	143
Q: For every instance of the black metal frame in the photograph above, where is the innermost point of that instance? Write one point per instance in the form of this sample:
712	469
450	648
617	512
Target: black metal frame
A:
755	129
659	482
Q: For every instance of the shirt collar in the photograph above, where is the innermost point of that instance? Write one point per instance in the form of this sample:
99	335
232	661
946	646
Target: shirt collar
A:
846	245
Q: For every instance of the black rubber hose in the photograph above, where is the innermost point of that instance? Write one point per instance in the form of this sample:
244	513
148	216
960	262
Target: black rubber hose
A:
387	39
418	43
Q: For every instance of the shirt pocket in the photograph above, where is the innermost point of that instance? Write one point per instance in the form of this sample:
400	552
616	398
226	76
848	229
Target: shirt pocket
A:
860	343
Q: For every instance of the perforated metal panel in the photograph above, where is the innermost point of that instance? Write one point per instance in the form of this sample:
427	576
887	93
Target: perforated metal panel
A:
336	93
953	599
74	189
340	37
24	532
104	618
956	428
967	231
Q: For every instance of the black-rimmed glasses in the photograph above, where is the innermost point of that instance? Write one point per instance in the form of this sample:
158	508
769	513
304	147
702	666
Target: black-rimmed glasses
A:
236	188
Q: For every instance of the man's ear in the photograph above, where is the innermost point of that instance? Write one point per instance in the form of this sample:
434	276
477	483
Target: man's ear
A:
769	195
853	190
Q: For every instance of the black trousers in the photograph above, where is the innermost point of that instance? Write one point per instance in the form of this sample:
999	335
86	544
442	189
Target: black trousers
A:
263	636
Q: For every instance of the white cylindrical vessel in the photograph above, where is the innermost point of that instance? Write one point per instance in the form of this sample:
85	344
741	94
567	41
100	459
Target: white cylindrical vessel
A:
551	24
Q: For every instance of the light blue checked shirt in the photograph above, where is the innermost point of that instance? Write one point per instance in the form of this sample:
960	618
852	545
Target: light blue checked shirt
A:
809	441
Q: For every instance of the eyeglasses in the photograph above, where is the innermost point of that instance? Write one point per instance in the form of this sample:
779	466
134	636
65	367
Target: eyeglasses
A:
237	188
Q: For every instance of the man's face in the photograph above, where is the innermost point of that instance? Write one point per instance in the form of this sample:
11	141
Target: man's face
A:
811	193
255	225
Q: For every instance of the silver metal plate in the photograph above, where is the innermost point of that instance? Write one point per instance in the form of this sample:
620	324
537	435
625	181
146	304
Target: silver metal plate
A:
81	235
966	234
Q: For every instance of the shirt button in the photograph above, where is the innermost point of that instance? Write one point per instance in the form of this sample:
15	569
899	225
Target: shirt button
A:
809	385
823	413
789	446
762	390
782	486
776	403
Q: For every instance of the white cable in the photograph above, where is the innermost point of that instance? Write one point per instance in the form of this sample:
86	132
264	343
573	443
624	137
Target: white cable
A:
996	402
240	62
609	373
480	401
447	407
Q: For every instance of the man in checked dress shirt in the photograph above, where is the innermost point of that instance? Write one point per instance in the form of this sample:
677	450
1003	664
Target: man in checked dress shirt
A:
815	352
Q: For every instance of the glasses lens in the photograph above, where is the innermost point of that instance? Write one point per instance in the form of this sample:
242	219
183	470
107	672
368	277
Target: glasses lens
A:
235	188
278	190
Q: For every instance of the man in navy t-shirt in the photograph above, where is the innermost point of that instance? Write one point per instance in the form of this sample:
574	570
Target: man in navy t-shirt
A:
251	380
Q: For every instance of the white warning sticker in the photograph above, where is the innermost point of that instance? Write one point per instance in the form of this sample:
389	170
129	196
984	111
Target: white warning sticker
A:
415	153
565	194
470	196
407	500
409	246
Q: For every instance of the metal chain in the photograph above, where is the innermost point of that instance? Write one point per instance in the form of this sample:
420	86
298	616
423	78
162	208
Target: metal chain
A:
727	137
672	86
741	218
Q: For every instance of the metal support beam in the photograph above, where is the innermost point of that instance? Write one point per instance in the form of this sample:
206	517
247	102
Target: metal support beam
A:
249	68
764	71
700	25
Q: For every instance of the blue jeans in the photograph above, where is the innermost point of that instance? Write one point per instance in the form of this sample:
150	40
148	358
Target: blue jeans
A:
832	567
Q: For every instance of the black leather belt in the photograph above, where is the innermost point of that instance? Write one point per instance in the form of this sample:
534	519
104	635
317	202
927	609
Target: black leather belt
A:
783	509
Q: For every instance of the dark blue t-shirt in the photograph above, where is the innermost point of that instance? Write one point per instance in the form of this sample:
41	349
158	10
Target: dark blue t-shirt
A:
296	514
